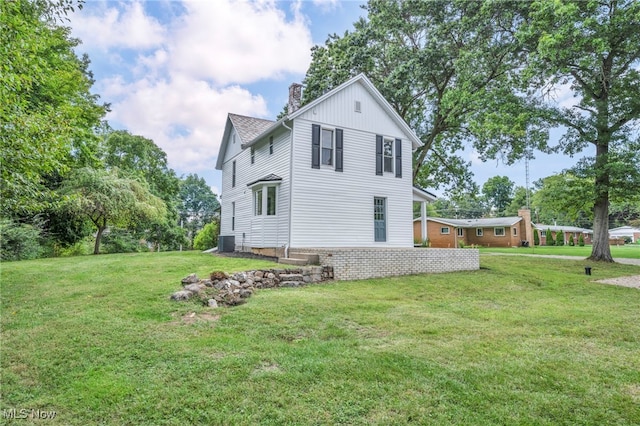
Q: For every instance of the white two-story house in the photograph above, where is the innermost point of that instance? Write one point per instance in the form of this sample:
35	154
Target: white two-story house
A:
334	173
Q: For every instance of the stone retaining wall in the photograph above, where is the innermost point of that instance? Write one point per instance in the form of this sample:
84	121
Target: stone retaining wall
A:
363	263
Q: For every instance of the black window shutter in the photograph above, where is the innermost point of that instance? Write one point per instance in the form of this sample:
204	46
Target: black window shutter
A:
379	155
315	146
339	150
398	158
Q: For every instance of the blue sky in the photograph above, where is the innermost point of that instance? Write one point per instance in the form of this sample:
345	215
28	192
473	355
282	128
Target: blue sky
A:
172	70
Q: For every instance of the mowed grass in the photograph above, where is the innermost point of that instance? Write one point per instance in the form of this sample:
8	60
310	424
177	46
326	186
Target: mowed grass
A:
522	341
628	251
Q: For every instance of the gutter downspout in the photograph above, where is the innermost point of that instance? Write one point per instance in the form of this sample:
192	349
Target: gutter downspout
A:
286	249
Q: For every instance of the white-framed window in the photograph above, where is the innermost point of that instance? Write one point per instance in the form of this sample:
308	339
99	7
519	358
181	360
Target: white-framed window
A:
387	153
233	215
460	232
253	155
233	174
498	232
271	200
479	232
326	147
270	145
515	231
444	230
265	200
257	202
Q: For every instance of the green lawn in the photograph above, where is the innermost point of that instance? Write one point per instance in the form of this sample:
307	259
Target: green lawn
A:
528	341
629	251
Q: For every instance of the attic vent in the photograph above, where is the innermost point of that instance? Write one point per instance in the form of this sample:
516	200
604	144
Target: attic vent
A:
357	107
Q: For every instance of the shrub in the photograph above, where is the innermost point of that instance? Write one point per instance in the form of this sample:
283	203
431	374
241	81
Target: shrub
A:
536	238
581	241
19	241
207	237
549	241
121	241
571	242
559	238
461	244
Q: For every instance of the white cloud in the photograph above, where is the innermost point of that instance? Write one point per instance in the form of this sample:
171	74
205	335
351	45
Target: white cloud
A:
174	70
239	41
185	117
128	27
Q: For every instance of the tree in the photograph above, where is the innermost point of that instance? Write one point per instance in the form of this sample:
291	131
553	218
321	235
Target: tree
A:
571	240
198	204
590	48
536	238
519	201
140	158
580	240
498	192
444	67
47	112
548	236
106	199
559	238
207	237
564	199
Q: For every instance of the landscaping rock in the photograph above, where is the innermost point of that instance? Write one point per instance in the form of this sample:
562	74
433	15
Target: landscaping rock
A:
181	295
231	290
194	288
191	279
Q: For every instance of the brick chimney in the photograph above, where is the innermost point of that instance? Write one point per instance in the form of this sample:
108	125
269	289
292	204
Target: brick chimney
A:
295	96
525	214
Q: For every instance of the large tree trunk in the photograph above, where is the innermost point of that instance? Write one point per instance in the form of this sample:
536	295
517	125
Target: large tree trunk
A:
601	250
96	247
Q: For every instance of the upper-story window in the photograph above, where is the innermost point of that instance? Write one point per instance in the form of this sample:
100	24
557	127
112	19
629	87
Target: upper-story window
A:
233	174
270	145
388	156
253	155
327	147
387	149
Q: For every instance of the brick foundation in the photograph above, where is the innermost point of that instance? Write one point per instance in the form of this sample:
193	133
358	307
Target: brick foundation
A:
363	263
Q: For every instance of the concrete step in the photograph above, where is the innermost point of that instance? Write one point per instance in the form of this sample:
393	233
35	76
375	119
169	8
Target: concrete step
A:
311	258
292	261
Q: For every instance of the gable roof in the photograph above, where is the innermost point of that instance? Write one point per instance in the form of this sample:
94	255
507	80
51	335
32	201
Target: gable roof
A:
491	222
247	127
251	130
368	85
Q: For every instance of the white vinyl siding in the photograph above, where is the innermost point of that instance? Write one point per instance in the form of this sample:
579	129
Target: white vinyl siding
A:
334	209
265	230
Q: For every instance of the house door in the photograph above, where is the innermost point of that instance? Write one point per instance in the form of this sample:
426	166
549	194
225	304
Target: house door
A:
380	218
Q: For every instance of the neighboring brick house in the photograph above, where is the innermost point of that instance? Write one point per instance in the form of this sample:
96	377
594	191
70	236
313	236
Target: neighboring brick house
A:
568	231
489	232
625	231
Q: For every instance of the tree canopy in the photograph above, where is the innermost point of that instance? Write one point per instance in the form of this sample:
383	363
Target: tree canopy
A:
444	66
106	199
47	111
590	49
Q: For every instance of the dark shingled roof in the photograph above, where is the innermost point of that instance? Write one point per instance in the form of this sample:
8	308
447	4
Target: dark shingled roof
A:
249	127
268	178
